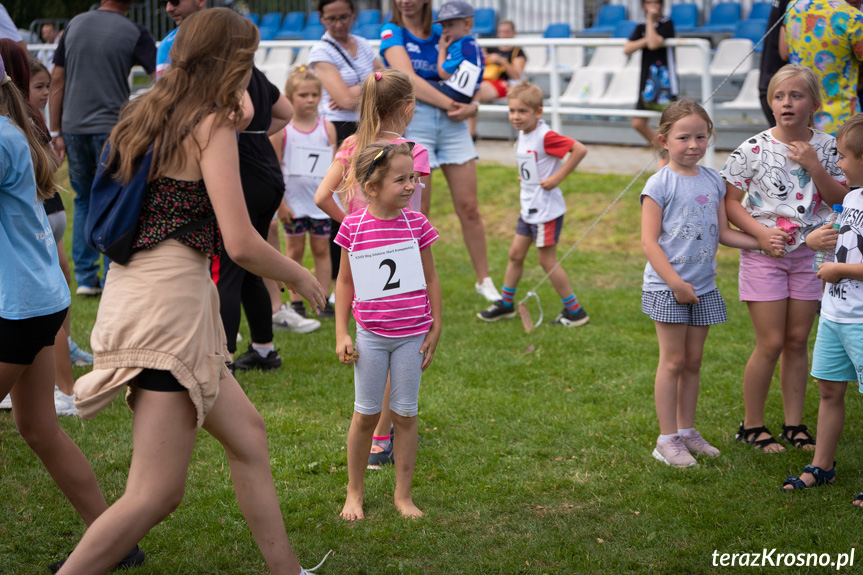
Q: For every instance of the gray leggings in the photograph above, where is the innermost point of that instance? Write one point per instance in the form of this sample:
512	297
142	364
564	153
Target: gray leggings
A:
400	357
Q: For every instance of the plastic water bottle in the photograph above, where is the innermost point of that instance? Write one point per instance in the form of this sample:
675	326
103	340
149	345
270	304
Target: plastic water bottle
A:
822	256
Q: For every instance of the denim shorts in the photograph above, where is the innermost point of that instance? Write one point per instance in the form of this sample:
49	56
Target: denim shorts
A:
448	142
838	354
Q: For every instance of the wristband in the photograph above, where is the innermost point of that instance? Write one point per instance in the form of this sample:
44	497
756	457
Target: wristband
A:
55	134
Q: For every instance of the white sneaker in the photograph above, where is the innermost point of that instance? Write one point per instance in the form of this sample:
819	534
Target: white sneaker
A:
6	403
487	290
332	299
286	319
64	404
673	452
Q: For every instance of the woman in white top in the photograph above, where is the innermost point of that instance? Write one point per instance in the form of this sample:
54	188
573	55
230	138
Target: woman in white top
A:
342	61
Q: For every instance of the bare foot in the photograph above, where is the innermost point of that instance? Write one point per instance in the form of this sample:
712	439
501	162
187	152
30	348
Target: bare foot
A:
858	501
407	508
353	509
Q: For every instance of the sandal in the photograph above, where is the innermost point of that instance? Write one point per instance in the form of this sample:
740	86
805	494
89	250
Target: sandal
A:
790	435
856	499
748	436
821	476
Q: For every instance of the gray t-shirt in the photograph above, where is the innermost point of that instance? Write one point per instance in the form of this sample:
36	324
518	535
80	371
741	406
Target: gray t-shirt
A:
690	227
97	51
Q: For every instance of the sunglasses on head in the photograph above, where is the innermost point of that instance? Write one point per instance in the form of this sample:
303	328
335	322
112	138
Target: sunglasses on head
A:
382	154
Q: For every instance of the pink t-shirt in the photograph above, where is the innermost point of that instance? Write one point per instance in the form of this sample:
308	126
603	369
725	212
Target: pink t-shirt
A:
401	315
358	201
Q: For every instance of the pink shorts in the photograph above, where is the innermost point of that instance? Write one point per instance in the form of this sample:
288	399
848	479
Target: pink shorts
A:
763	278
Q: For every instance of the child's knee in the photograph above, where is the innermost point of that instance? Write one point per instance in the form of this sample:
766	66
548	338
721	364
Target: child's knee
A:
832	391
365	422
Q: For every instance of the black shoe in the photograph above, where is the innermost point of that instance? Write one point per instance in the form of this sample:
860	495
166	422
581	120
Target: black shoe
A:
380	456
497	310
299	307
253	360
135	558
569	319
327	313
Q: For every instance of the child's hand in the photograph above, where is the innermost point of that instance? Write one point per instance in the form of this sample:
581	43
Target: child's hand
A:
767	240
804	154
778	243
685	293
653	12
550	182
445	41
428	347
345	350
823	238
831	272
286	215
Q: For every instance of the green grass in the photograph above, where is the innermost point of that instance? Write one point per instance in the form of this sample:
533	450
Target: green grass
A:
535	452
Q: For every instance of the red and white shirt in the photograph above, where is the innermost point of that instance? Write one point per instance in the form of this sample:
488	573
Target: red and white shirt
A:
402	315
539	206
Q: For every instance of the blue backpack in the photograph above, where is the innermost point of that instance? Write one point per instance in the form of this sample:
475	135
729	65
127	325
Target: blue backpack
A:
115	208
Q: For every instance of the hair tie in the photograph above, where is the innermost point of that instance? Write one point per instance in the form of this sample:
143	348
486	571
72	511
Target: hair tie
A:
6	79
180	66
378	76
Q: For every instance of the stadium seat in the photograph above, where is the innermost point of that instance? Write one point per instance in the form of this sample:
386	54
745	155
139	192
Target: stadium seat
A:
634	62
313	32
267	33
254	17
314	18
624	29
537	60
748	97
557	30
609	16
685	17
485	22
723	17
387	17
292	26
729	53
689	60
369	31
271	20
752	30
370	16
303	55
277	74
760	11
586	87
607	58
622	91
278	56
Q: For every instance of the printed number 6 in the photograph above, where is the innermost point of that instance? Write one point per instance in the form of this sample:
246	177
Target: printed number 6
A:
390	283
525	173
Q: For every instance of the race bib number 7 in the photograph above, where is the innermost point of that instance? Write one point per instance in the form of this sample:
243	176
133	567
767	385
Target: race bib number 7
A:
312	161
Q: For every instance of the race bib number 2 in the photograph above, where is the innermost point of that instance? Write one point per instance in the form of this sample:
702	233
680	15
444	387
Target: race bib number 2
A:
390	270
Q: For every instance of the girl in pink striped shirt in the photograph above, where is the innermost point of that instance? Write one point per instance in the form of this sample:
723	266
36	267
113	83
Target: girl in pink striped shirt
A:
387	276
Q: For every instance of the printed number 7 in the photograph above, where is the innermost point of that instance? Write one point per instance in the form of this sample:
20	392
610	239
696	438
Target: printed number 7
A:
314	163
390	283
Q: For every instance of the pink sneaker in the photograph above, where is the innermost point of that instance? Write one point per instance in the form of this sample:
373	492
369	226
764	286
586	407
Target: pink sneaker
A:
697	445
673	452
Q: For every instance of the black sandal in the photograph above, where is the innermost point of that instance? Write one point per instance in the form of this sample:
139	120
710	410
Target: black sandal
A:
790	435
856	499
748	436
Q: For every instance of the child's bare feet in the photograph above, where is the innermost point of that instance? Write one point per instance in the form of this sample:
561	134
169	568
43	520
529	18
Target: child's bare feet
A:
407	508
353	509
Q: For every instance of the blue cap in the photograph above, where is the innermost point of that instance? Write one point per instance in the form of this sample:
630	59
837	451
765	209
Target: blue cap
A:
454	10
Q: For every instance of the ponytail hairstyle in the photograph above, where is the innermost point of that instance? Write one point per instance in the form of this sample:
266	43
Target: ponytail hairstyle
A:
13	106
371	165
676	111
809	79
17	61
212	54
300	74
384	95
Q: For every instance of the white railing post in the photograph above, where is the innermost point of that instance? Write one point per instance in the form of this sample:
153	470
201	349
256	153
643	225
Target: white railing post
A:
554	87
707	92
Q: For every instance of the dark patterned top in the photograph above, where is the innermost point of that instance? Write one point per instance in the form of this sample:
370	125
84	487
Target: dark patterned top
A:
171	204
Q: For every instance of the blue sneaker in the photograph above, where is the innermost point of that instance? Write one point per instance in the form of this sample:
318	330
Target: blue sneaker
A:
78	356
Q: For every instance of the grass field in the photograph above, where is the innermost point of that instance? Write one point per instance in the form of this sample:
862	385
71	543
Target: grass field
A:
535	454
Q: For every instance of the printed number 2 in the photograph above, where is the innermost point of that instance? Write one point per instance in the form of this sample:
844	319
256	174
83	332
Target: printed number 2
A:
390	283
525	173
315	162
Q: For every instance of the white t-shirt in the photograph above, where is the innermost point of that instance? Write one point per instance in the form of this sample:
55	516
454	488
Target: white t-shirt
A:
300	190
547	147
843	301
352	70
7	26
779	192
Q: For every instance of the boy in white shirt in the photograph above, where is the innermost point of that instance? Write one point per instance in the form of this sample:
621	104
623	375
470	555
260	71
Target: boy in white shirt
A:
539	151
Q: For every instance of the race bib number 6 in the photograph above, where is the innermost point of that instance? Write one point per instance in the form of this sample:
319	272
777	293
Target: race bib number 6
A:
527	168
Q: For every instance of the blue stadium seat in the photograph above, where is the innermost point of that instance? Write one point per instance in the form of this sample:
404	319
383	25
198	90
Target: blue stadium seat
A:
760	11
624	29
685	17
723	18
292	27
609	16
751	30
314	18
558	30
485	22
369	31
313	32
387	17
368	17
254	17
271	20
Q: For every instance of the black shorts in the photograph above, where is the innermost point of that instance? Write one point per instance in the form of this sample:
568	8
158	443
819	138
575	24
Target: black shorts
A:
343	130
158	380
22	339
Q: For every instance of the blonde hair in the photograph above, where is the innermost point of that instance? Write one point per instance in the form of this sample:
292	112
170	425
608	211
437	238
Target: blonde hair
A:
529	94
13	107
851	135
371	167
384	95
676	111
810	80
298	75
213	52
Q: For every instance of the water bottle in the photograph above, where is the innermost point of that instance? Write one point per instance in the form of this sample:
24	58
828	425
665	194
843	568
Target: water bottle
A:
822	256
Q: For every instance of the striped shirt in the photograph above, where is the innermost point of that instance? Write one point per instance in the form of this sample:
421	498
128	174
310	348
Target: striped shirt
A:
403	315
353	71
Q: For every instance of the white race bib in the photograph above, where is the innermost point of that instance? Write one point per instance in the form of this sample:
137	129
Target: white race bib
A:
528	171
389	270
313	161
465	78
